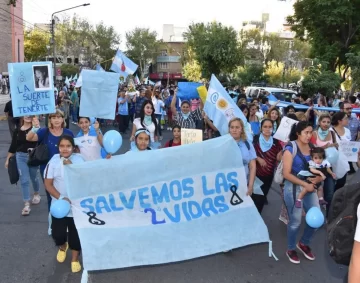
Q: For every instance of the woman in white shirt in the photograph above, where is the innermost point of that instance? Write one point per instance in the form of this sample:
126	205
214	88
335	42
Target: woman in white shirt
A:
159	106
147	120
339	122
64	231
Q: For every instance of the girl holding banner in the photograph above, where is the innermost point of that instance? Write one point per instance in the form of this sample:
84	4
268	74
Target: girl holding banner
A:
55	186
142	140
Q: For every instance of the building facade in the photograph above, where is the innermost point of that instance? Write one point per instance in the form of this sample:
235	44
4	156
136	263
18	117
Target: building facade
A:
168	65
12	34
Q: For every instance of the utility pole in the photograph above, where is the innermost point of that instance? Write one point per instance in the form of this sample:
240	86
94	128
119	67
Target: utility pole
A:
53	43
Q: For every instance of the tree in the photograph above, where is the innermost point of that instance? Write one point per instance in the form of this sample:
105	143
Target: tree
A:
332	27
274	71
292	75
353	60
142	46
320	79
68	70
215	47
250	74
192	71
35	44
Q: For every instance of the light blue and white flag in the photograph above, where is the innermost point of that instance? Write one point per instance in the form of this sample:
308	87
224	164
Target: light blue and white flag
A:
221	108
71	79
123	65
67	82
150	82
199	208
75	77
136	80
99	68
79	81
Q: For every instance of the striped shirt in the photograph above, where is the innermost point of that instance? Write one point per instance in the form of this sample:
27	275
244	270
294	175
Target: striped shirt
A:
190	122
270	158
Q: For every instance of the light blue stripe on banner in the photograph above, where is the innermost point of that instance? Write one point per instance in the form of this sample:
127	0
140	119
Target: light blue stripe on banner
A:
114	248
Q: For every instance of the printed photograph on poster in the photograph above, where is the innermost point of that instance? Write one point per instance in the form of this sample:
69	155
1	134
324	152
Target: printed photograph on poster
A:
41	77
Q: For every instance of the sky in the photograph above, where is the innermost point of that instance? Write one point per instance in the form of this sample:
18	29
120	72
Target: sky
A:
125	16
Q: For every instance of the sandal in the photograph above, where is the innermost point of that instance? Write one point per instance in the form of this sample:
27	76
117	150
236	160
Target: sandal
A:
75	266
26	210
36	199
61	255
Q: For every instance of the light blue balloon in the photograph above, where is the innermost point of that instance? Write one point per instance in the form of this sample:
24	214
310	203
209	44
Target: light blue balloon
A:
314	217
112	141
332	155
92	120
59	208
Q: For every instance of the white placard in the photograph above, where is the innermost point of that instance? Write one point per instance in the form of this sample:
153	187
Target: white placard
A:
283	132
350	149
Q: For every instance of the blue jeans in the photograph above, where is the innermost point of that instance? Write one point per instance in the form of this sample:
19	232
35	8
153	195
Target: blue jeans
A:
158	117
27	174
74	114
48	196
295	214
329	188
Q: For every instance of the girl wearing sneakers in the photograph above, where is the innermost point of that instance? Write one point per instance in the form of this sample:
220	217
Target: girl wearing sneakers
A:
55	185
300	133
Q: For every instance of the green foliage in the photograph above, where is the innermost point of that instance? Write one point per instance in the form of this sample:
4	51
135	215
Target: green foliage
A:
292	75
68	70
250	74
320	79
35	42
192	71
215	47
142	46
353	60
331	26
274	71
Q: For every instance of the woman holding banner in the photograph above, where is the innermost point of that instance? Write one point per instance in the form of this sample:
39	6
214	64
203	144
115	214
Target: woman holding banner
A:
185	118
237	131
50	136
301	133
269	152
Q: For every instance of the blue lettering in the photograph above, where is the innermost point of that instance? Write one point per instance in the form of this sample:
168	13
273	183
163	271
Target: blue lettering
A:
231	178
173	218
164	194
153	216
26	88
86	203
193	205
188	191
175	190
185	211
221	204
206	191
220	182
143	197
208	206
129	204
19	91
113	204
101	204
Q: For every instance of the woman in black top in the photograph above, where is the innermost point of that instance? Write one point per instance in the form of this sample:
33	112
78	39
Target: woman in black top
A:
20	147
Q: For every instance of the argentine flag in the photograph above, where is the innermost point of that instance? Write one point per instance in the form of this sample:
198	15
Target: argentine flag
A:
123	65
99	68
221	108
67	82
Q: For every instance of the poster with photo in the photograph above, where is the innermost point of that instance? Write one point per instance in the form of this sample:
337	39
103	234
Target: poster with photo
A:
32	88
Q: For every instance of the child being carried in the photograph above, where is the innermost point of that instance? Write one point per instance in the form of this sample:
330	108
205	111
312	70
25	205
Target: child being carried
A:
318	165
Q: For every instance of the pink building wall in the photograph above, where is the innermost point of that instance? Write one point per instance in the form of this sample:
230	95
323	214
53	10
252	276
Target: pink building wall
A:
17	32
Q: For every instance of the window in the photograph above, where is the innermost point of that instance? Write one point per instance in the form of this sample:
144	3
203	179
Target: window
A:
163	66
76	61
69	60
164	52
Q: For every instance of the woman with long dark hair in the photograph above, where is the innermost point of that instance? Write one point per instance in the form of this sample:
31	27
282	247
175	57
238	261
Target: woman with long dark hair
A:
147	120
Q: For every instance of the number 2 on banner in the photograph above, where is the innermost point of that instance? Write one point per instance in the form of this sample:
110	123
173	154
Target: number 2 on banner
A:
153	216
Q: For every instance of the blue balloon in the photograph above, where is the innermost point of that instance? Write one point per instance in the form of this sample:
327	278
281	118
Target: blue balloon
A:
59	208
112	141
314	217
332	155
92	120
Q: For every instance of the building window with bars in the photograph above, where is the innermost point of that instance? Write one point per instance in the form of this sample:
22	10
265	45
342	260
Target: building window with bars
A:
163	66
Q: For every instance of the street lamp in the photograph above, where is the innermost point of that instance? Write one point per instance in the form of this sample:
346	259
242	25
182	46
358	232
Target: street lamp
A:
53	32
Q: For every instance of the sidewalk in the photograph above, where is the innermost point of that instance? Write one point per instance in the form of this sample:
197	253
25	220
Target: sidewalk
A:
4	98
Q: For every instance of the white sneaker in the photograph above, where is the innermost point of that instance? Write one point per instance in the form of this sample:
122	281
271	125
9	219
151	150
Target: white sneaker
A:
36	199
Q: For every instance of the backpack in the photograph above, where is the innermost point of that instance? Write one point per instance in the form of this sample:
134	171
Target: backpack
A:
342	220
279	176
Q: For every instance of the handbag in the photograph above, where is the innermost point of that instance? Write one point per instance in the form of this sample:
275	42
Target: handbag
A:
279	176
13	170
40	154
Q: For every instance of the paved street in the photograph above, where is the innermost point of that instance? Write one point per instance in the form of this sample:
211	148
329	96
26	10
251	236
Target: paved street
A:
28	253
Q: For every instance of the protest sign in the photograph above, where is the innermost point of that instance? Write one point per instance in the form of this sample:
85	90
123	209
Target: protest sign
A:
32	88
350	150
197	209
98	94
190	136
188	90
283	132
